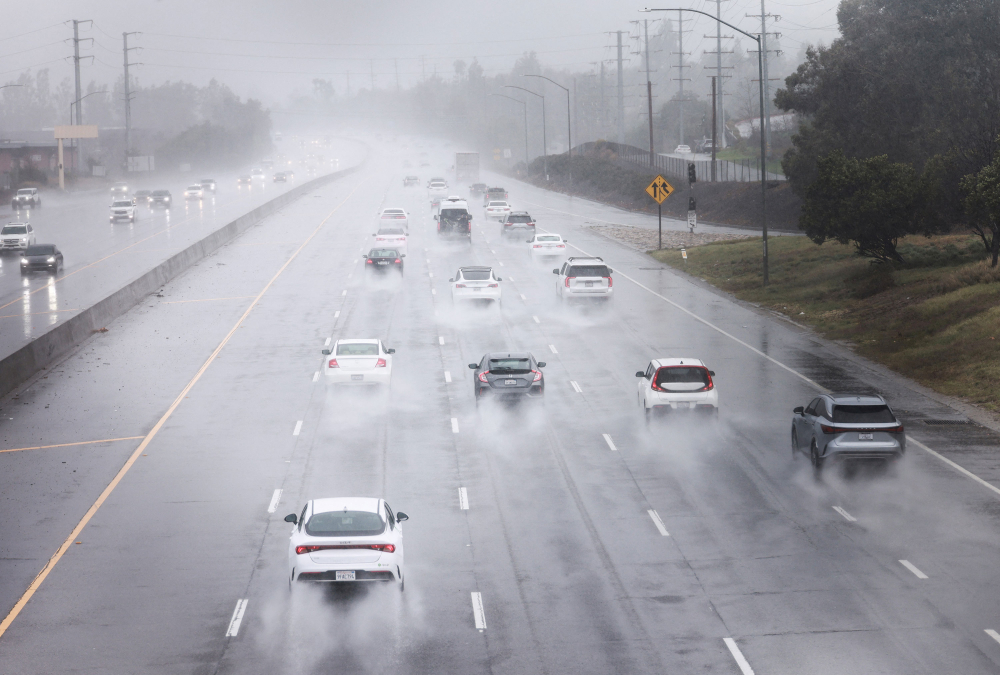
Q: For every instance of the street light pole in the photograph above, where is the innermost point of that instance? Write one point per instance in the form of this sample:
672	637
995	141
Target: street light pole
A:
763	142
524	105
545	149
569	128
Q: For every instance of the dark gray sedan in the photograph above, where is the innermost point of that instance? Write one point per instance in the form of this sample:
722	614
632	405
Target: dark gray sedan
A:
510	375
847	426
41	257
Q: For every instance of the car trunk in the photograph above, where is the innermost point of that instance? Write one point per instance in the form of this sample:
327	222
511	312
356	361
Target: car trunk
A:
343	556
588	283
357	362
513	382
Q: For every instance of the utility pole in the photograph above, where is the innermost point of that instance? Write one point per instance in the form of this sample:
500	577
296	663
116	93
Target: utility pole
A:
603	117
649	93
680	67
766	84
718	74
715	124
76	69
128	97
621	94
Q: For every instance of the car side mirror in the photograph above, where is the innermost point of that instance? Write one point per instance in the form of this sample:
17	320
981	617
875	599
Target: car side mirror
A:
499	279
565	241
639	373
799	410
555	271
400	517
528	241
402	255
473	366
390	351
364	255
610	271
712	373
327	352
292	518
435	217
541	364
451	281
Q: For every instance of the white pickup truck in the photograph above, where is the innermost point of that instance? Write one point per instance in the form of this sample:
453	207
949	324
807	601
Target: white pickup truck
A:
123	209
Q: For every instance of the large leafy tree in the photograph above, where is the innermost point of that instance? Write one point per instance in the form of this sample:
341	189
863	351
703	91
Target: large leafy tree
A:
982	204
909	79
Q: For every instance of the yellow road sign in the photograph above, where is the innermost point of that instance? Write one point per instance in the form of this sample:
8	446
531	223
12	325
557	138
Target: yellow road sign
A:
660	189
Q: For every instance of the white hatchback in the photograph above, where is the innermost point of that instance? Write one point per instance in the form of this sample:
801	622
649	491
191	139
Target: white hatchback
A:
677	385
391	237
359	362
475	283
394	218
543	245
497	209
348	539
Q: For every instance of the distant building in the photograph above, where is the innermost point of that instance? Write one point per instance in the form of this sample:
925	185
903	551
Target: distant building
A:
32	154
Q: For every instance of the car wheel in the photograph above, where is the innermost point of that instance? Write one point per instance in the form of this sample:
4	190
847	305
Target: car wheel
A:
402	583
795	444
817	461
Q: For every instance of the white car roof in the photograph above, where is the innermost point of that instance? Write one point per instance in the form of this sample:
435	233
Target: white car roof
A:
328	504
678	362
358	341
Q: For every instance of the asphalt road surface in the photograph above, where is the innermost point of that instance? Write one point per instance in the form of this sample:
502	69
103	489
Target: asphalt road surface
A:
595	544
101	257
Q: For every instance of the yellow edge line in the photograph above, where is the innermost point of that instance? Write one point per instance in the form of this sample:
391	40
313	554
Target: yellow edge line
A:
57	556
66	445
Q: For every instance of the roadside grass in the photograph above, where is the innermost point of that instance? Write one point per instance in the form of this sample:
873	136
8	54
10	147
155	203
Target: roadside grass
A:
935	318
741	155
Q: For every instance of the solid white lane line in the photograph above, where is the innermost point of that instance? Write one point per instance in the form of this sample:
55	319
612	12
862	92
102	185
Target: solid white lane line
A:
576	386
993	634
298	428
447	376
234	623
953	465
273	506
536	319
741	660
659	523
463	499
336	315
327	343
913	568
454	425
477	611
440	339
611	444
315	376
553	348
847	516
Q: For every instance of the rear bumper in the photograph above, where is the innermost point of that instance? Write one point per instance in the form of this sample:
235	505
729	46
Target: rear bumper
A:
583	294
839	450
485	294
500	393
359	576
684	408
369	378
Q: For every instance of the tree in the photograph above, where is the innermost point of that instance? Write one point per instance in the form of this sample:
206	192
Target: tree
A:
871	203
982	205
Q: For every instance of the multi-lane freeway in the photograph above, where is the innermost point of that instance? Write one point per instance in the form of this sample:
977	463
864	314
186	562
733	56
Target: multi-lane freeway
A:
148	475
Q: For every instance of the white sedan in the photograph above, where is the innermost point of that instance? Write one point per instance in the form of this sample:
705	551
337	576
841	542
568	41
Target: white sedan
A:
677	386
394	218
359	362
195	191
497	209
348	539
391	237
543	245
475	283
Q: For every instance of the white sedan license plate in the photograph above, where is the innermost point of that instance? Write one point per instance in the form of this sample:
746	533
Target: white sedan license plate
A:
510	381
477	290
588	284
357	377
866	437
345	576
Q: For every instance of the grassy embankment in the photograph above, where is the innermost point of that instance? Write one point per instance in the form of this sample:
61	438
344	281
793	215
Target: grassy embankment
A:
935	319
739	155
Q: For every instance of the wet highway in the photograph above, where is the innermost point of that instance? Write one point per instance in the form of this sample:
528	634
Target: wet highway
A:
101	257
148	474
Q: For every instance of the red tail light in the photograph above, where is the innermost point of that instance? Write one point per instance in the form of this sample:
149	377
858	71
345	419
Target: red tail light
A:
567	281
561	246
369	262
398	261
537	246
538	375
380	363
333	363
386	548
460	286
493	285
482	376
506	224
610	282
843	430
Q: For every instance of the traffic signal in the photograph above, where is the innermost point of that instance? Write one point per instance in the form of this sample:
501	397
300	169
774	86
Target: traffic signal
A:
692	204
692	173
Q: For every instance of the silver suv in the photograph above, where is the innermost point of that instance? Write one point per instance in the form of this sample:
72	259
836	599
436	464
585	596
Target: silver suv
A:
847	426
584	278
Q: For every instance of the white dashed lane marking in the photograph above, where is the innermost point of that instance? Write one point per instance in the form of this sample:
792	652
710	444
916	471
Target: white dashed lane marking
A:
454	425
315	376
234	623
659	523
553	348
477	611
345	292
611	444
336	315
327	343
463	499
741	660
522	296
298	428
275	498
847	516
576	387
536	319
993	634
447	376
913	568
440	339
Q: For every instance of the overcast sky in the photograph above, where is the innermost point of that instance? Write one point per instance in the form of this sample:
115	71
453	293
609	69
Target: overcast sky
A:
270	49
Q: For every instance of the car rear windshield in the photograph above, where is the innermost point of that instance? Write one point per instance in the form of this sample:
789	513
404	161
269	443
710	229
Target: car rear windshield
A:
454	214
121	205
519	219
41	249
496	191
510	365
547	237
357	349
390	230
394	212
588	271
498	203
681	375
345	524
863	414
14	229
383	253
476	275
